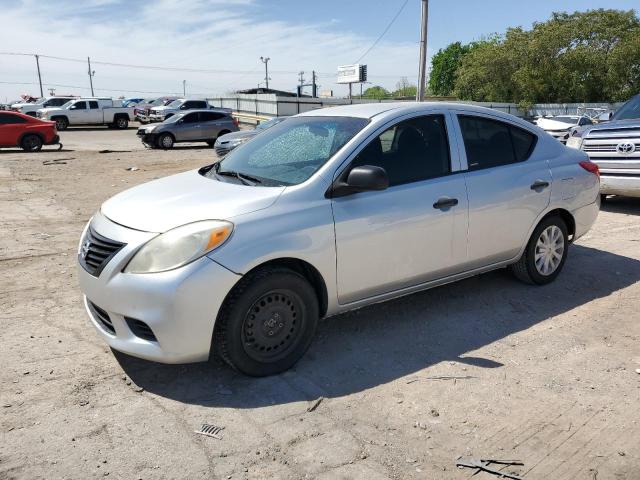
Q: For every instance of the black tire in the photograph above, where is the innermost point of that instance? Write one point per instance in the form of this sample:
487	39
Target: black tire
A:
603	198
526	270
211	143
61	123
166	141
285	310
31	143
121	123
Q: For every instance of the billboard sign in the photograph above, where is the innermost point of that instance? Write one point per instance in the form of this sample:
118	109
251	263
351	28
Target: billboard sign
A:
349	74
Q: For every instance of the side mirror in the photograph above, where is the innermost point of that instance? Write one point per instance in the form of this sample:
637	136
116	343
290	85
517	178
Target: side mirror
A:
361	179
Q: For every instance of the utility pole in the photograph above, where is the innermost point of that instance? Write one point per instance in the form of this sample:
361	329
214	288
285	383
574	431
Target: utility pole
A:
39	76
184	88
314	88
301	78
422	75
266	70
91	74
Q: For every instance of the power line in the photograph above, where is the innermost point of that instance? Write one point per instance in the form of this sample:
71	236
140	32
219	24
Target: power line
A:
384	31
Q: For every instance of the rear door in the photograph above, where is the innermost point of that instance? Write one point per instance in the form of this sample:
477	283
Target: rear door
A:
210	125
94	113
11	128
415	230
508	184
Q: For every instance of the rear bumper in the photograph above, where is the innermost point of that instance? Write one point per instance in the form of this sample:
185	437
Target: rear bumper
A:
627	185
585	217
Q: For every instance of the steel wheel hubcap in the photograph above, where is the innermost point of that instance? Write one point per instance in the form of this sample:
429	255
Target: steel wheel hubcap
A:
549	250
166	141
272	326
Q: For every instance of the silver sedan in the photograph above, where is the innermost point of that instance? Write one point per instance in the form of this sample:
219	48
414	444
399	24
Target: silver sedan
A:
329	211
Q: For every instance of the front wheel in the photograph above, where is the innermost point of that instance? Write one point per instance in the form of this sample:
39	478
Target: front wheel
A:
61	123
165	141
545	253
267	322
31	143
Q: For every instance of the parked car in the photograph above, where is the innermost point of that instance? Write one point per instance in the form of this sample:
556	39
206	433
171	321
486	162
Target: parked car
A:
332	210
161	113
189	126
560	127
225	143
141	110
615	147
88	111
26	132
131	102
45	102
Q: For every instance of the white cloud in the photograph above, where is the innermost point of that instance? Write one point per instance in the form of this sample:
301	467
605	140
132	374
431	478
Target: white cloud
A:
207	34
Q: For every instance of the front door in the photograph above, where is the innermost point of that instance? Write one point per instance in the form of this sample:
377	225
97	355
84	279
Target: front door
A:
78	113
11	129
509	186
415	230
187	129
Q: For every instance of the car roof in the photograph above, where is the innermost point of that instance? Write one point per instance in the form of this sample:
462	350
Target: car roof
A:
370	110
214	110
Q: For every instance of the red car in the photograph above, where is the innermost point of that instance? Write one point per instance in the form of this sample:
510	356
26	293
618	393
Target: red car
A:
26	132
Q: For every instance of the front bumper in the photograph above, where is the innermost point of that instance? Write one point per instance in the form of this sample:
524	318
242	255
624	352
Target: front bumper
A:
625	185
54	141
156	117
180	306
149	139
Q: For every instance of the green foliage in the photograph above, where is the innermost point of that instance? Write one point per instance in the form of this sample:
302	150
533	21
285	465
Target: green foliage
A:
376	92
580	57
444	66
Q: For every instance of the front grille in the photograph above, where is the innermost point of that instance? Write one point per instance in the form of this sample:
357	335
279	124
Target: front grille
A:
96	251
600	147
140	329
102	317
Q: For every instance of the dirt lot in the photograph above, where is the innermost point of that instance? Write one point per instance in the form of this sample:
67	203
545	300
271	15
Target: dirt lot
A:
486	368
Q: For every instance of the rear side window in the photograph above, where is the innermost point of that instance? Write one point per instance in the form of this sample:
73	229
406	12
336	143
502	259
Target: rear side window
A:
211	116
8	119
491	143
93	104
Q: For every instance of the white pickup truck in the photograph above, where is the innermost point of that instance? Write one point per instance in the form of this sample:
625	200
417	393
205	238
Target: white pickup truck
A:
88	111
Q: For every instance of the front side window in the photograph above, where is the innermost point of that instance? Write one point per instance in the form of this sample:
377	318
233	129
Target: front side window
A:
190	118
290	152
411	151
80	106
491	143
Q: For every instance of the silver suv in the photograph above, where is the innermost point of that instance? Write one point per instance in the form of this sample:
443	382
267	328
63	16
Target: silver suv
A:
331	210
615	147
189	126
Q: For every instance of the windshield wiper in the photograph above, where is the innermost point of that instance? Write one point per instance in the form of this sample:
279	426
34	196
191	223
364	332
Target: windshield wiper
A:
244	178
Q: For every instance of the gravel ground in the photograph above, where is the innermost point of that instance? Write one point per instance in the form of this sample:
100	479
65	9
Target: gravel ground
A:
484	368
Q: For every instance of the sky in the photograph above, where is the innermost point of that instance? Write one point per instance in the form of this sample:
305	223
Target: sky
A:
227	38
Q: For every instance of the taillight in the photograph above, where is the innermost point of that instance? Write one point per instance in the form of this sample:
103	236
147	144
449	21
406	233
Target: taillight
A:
236	122
591	167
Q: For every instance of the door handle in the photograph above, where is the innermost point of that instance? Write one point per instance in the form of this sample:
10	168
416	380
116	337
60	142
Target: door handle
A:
539	185
445	202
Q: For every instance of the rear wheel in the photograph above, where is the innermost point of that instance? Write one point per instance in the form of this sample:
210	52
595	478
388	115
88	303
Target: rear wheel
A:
545	253
165	141
61	123
31	143
121	123
603	197
267	322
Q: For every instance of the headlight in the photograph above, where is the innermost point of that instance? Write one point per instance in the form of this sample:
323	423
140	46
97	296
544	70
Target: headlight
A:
236	142
150	129
179	246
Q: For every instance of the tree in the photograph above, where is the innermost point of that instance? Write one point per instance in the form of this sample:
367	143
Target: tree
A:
444	66
404	88
376	92
580	57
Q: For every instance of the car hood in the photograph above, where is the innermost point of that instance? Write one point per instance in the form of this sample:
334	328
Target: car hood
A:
551	124
188	197
161	108
242	134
